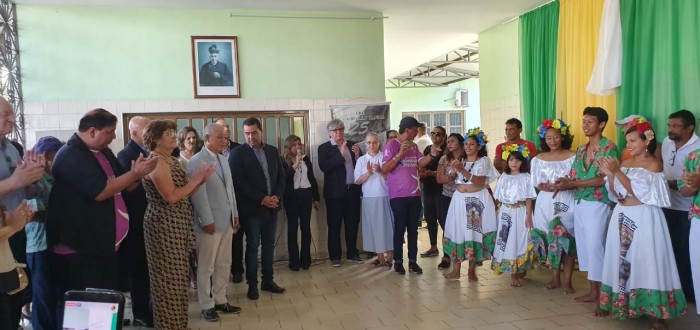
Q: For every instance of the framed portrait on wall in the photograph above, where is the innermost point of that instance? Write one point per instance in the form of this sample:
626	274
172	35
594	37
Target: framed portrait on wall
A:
215	67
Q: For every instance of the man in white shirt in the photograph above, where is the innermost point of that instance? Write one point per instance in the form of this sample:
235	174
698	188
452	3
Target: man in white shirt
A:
681	141
422	140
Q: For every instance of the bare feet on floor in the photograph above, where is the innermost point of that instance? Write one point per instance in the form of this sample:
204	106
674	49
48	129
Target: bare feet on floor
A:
515	281
600	313
569	290
473	278
451	275
552	285
659	325
589	297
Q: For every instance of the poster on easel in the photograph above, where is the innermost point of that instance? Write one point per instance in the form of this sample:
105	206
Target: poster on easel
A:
361	119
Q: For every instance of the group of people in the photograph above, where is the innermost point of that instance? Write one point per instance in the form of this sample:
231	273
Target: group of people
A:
131	221
550	206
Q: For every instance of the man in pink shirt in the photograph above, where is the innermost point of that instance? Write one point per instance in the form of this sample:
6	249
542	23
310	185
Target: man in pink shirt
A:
400	160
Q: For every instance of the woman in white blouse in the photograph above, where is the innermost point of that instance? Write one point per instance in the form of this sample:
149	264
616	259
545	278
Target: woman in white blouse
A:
300	193
377	219
553	216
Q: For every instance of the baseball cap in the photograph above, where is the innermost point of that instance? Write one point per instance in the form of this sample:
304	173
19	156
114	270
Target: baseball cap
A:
47	144
408	122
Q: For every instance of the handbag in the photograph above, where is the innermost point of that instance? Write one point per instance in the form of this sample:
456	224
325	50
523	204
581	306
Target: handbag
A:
23	279
14	281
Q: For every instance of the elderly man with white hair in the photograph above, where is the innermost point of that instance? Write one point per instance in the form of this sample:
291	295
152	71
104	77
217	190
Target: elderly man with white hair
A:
216	219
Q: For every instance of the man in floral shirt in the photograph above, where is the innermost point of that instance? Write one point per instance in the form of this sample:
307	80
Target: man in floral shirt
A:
586	180
689	184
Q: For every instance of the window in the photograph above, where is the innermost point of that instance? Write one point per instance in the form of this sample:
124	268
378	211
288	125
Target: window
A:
277	125
452	121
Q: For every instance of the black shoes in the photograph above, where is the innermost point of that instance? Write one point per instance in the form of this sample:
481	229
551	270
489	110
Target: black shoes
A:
294	267
272	287
430	254
398	269
226	308
253	293
144	323
237	277
414	268
209	315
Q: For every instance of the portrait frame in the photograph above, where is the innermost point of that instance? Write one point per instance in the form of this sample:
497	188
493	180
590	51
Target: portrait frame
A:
215	67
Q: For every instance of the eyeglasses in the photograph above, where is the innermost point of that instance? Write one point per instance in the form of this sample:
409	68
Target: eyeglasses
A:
170	132
437	133
673	158
339	129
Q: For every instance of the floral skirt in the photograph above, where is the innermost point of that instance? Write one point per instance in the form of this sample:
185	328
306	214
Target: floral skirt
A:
470	227
639	270
560	239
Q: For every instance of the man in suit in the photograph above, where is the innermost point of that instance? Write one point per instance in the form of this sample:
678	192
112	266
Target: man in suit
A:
132	258
258	177
237	245
337	159
215	214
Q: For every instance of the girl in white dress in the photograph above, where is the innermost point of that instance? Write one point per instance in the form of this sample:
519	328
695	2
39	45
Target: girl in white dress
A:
470	226
553	211
515	192
377	219
639	271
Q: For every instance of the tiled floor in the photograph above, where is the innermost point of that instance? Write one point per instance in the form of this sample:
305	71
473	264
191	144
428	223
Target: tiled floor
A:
361	297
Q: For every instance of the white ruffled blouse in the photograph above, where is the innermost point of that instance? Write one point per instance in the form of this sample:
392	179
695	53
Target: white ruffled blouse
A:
543	171
481	167
514	188
649	187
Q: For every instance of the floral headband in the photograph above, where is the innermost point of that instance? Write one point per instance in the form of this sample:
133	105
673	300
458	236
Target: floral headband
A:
479	135
553	123
521	148
643	127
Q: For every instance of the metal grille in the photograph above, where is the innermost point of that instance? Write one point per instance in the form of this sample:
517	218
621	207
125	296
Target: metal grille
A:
439	118
10	86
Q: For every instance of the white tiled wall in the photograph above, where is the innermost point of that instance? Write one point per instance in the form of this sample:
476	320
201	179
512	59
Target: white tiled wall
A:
494	114
62	117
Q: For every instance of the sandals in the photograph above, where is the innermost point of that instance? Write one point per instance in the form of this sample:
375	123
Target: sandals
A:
376	263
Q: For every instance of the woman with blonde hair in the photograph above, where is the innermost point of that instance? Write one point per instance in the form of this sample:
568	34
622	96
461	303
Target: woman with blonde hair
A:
301	191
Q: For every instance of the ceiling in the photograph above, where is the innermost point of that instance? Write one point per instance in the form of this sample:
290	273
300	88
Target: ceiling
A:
415	32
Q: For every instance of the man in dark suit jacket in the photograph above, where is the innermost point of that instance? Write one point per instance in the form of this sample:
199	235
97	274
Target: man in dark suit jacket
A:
258	177
337	159
237	243
132	257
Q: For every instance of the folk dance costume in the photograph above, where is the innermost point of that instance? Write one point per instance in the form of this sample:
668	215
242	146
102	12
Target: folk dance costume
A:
592	202
470	226
510	254
553	216
639	271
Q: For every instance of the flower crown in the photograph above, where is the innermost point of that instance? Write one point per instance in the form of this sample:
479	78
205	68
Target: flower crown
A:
479	135
553	123
521	148
643	127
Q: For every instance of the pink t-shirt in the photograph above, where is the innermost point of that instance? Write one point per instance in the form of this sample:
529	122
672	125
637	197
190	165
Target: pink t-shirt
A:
403	181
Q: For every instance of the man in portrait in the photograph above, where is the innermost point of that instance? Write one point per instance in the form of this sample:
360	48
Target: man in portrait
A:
215	72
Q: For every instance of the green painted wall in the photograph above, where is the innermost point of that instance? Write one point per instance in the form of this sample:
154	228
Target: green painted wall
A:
433	99
499	62
74	53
